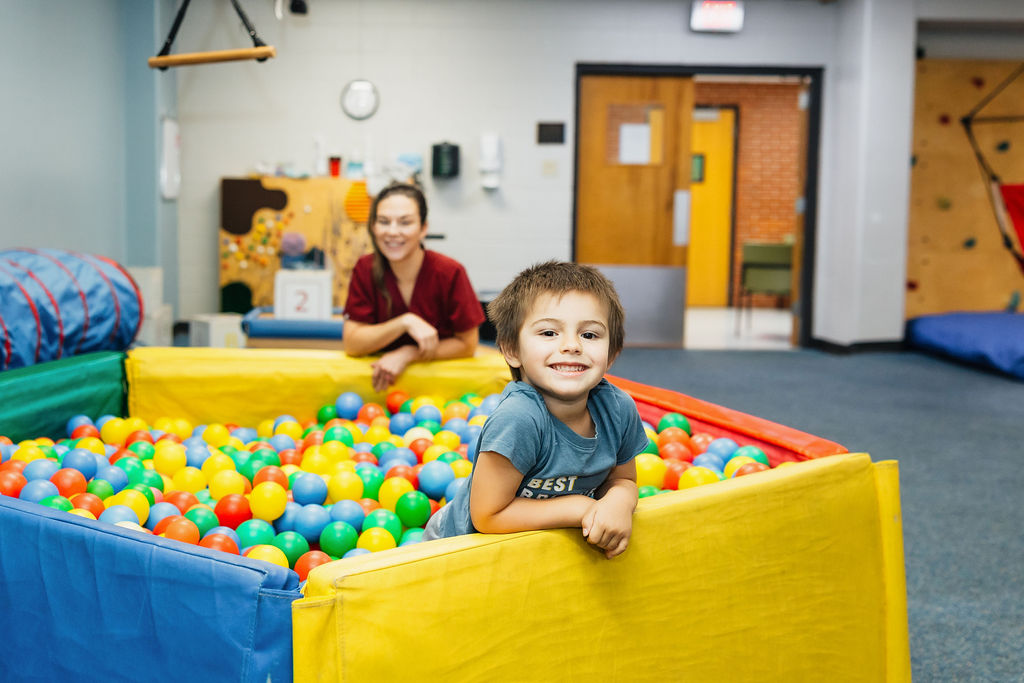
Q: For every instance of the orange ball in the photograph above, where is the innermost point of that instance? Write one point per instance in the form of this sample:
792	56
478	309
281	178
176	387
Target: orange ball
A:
69	481
308	561
395	399
674	435
420	445
271	473
751	468
182	529
368	412
700	442
674	469
675	450
368	505
90	502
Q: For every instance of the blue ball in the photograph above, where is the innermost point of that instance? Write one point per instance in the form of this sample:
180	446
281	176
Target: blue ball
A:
473	445
119	513
490	402
37	489
115	475
723	447
77	421
453	488
347	405
427	412
82	460
400	423
245	434
226	530
406	455
284	418
309	489
709	460
348	511
195	456
411	536
311	520
286	522
354	552
193	441
109	449
459	426
43	468
281	442
435	477
102	420
363	447
476	411
198	431
158	511
6	451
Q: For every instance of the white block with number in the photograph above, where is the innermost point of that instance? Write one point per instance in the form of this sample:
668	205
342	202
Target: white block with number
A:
303	294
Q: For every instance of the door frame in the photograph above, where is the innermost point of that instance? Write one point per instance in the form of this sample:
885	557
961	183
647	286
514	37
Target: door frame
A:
814	74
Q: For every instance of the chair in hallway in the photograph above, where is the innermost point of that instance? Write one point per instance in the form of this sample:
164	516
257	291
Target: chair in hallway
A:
767	268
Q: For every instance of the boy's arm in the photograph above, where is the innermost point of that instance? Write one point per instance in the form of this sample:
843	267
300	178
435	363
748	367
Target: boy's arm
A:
495	508
609	523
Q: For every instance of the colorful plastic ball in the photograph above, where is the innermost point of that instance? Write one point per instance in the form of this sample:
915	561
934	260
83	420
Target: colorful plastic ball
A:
268	501
647	491
149	477
674	468
36	489
412	536
68	481
114	475
101	488
182	529
700	441
57	502
697	476
345	485
347	405
226	482
268	553
453	488
183	500
309	561
232	510
709	460
413	509
674	420
79	512
754	453
650	470
723	447
435	477
161	526
674	434
40	468
75	421
255	532
118	513
368	505
311	520
146	491
134	499
376	539
293	544
220	542
735	462
11	483
170	460
461	467
156	513
751	468
386	519
348	511
372	479
355	552
674	450
337	538
286	522
309	488
203	517
82	460
391	489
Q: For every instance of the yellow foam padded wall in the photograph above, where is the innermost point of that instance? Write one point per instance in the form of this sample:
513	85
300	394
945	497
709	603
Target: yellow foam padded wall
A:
794	574
245	386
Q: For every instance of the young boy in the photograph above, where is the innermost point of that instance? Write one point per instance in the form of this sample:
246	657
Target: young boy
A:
558	449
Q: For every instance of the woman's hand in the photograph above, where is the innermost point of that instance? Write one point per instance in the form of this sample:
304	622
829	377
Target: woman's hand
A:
387	369
423	333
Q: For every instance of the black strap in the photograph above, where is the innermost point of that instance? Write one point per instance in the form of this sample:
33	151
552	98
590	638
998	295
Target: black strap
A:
166	49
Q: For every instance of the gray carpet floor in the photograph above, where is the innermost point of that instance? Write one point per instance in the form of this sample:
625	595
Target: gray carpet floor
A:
958	434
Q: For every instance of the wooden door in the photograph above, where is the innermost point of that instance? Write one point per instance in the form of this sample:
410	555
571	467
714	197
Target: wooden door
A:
711	192
633	161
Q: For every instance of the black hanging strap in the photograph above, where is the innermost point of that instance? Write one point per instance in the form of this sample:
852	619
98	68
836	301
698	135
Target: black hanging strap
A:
165	51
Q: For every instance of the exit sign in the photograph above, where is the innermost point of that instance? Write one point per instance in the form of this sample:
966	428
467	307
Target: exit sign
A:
716	16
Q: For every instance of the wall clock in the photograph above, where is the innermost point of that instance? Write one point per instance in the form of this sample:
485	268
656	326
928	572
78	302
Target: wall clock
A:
359	99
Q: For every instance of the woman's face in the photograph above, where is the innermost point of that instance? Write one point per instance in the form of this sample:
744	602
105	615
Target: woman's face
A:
398	230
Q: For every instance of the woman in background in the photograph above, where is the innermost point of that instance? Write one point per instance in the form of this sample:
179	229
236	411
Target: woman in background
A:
404	301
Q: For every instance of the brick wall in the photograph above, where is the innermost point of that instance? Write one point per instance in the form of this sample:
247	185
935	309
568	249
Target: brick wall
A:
771	144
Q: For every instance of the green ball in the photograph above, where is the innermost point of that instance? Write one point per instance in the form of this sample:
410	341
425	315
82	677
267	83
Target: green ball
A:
204	518
341	434
57	502
382	448
752	452
149	478
239	457
311	428
293	544
203	496
413	508
327	412
145	490
101	488
337	538
129	464
385	519
674	420
432	425
250	467
449	457
411	536
253	532
372	479
143	449
50	452
645	491
651	448
267	455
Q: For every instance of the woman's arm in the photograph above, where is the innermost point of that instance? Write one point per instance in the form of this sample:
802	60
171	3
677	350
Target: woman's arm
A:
361	339
495	508
462	345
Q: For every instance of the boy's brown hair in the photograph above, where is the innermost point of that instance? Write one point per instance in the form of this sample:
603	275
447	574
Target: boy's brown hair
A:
507	312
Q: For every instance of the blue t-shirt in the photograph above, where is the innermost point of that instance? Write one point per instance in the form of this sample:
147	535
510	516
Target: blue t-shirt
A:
554	460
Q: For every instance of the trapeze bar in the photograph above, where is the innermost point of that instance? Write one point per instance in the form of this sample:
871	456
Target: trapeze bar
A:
262	52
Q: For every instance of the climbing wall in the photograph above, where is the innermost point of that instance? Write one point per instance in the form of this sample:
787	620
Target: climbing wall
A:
268	223
956	260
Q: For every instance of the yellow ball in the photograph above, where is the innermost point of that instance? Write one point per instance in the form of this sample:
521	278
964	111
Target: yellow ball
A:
189	479
651	434
28	453
432	452
135	424
353	430
44	441
164	424
82	513
418	433
345	485
225	482
169	459
650	470
448	439
697	476
343	466
268	500
391	489
396	440
114	431
381	421
182	428
91	443
215	463
290	428
136	500
268	553
461	467
334	451
786	463
316	461
736	463
216	435
478	420
128	524
265	428
376	539
236	443
376	434
421	401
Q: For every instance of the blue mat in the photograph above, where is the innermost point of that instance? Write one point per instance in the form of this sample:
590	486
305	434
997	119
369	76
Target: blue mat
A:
992	340
257	324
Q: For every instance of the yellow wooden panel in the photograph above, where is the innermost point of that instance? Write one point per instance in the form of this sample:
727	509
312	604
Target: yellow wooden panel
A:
707	274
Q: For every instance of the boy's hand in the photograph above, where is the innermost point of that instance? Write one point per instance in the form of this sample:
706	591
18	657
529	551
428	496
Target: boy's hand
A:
608	525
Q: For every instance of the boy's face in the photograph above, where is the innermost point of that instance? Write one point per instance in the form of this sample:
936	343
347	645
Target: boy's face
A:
563	346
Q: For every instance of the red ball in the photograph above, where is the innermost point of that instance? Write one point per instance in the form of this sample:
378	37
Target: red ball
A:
395	400
11	482
369	411
161	526
169	436
182	529
221	542
13	465
271	473
314	438
140	435
89	501
232	510
182	500
364	456
290	456
700	442
85	430
675	450
434	506
118	454
750	468
309	560
69	481
418	446
675	468
368	505
404	471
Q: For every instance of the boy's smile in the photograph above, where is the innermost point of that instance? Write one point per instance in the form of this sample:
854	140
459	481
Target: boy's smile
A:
563	347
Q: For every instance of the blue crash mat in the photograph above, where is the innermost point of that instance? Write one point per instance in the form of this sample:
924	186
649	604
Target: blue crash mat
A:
260	323
993	340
